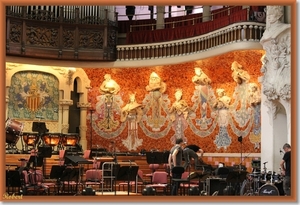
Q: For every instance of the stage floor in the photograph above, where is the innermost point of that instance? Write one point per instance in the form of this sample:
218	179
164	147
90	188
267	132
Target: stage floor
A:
117	193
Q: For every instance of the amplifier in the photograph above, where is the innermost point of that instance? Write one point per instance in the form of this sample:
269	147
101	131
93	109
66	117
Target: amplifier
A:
215	184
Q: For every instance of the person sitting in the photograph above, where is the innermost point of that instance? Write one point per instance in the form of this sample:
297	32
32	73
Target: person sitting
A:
190	151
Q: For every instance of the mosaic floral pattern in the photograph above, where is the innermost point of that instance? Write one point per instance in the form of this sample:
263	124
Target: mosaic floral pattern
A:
218	69
33	95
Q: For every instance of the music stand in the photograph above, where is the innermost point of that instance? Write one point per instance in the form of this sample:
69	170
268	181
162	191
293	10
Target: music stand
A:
97	152
56	171
127	173
154	157
37	161
45	151
165	157
68	175
39	127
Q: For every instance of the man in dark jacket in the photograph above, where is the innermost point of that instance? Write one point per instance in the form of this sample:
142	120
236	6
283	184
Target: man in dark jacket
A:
175	160
190	151
285	165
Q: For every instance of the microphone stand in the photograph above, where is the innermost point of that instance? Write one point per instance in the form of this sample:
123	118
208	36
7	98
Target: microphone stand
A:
114	153
189	168
238	185
240	139
265	170
91	127
128	177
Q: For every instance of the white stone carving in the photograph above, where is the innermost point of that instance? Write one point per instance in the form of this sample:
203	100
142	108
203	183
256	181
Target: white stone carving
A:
272	110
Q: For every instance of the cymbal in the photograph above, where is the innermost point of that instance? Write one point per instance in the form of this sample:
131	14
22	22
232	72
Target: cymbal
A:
256	173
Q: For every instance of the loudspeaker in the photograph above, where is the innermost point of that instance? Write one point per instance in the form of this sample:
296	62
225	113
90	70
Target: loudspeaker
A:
148	191
194	191
215	185
89	191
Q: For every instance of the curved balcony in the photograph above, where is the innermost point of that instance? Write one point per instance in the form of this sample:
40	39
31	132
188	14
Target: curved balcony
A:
240	36
81	40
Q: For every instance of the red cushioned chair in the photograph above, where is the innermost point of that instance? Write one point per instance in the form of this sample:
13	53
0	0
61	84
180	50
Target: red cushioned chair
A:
159	181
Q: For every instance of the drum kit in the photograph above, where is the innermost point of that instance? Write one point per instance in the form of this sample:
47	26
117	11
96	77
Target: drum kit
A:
262	183
14	131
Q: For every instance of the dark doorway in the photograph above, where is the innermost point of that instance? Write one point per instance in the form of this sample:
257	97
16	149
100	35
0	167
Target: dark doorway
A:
74	112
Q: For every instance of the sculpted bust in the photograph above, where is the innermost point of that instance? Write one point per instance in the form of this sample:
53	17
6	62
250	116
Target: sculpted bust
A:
239	75
132	108
200	78
156	84
109	86
179	106
274	23
223	100
254	94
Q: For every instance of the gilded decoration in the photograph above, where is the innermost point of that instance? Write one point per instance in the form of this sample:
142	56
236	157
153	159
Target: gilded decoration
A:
219	99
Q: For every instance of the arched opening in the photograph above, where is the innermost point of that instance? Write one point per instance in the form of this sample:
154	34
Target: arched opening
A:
74	114
280	135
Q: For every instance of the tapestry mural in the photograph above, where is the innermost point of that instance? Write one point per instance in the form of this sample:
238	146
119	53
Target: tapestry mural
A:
214	103
33	96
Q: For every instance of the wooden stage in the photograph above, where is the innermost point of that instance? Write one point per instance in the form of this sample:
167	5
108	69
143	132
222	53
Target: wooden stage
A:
117	193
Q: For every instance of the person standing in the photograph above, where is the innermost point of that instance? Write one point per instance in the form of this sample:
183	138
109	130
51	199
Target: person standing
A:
175	160
130	11
285	165
190	151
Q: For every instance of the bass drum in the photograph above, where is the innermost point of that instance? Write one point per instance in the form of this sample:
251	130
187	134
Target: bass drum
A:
268	190
279	186
13	130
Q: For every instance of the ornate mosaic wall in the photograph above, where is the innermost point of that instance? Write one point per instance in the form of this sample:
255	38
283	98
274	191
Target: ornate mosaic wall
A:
216	105
33	95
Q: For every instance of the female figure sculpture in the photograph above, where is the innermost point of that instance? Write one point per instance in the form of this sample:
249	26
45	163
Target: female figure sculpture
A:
178	115
132	112
222	106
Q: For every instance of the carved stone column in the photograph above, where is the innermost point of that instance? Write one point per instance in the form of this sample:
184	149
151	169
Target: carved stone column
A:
276	87
64	115
160	19
82	127
206	13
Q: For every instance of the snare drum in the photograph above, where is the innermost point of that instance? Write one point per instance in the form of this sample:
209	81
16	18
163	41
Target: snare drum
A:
30	138
52	139
70	139
268	190
13	130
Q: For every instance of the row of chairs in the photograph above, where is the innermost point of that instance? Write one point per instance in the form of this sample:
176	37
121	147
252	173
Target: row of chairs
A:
34	180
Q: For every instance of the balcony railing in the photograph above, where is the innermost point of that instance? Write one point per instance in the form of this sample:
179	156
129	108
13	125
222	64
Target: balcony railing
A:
63	37
234	33
29	36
